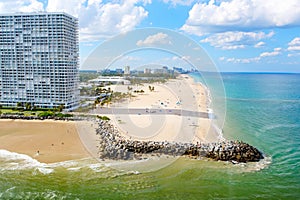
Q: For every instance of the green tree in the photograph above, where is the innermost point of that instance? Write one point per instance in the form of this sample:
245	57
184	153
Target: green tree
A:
28	106
151	88
46	114
61	107
97	101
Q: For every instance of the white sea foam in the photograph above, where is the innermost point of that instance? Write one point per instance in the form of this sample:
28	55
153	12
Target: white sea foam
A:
219	132
74	169
65	164
255	166
135	172
45	170
97	167
16	161
211	114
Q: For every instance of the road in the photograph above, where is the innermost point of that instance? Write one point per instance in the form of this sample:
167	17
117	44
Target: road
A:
143	111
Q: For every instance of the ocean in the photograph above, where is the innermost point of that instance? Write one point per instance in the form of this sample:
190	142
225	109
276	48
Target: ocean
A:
261	109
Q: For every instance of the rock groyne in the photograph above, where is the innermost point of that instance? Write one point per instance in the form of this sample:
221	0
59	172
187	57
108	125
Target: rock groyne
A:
113	146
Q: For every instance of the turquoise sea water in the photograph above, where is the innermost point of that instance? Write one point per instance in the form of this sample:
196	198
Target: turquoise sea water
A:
261	109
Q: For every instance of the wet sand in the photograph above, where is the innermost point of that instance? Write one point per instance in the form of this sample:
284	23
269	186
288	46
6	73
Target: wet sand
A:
47	141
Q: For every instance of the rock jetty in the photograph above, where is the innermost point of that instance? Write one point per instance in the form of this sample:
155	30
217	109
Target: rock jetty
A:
113	146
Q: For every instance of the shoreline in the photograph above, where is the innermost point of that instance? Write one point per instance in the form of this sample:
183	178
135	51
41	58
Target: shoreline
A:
47	141
209	131
52	141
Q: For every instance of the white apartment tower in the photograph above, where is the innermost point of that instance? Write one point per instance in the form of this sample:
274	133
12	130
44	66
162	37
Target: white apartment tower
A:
39	59
127	70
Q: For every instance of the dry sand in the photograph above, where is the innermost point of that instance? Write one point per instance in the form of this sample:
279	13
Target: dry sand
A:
55	140
205	132
181	93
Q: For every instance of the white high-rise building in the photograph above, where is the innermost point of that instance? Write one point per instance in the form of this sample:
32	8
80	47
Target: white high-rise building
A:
39	59
127	70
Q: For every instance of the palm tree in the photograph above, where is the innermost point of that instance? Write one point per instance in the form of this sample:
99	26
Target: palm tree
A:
27	106
34	107
61	107
151	88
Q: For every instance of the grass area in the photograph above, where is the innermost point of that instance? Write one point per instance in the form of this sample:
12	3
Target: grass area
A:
19	112
105	118
86	76
38	113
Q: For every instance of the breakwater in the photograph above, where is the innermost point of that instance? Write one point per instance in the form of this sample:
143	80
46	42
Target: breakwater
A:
113	146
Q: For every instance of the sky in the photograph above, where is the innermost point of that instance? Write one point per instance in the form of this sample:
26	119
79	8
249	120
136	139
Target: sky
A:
238	35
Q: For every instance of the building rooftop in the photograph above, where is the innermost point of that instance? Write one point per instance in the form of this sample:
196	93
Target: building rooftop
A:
36	13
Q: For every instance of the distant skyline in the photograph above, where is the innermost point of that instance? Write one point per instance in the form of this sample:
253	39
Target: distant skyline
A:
239	35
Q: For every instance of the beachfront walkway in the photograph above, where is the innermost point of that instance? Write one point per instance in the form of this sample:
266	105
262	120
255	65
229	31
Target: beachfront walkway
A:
142	111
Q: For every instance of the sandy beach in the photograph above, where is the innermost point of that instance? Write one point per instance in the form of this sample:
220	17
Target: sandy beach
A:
181	93
51	141
46	141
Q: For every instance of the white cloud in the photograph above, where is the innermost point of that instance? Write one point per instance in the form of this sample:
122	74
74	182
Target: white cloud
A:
273	53
294	48
236	40
237	15
9	6
267	54
243	60
259	44
293	54
69	6
294	45
159	38
277	49
105	20
295	41
179	2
